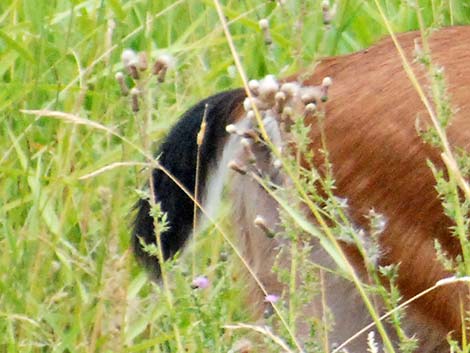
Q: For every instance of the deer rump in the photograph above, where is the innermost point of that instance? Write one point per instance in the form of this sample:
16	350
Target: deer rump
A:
379	162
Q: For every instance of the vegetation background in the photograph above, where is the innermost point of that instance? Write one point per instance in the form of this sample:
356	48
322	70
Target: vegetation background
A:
68	281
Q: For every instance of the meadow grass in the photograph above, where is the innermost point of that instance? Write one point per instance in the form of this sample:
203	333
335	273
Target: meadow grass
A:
68	281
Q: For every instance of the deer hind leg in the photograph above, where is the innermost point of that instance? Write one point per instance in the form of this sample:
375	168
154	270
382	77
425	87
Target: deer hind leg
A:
343	312
250	201
338	309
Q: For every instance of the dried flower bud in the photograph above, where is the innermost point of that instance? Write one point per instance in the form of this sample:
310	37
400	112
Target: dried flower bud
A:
166	60
264	25
280	99
236	167
122	83
135	99
223	256
161	66
287	113
260	222
251	134
378	222
161	74
143	62
268	312
132	68
246	143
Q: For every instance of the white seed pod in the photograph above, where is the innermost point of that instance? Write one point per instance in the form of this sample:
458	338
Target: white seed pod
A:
324	88
329	13
231	129
263	23
135	91
247	104
287	113
245	142
280	97
268	86
258	103
310	94
128	56
327	82
166	60
253	85
261	223
277	163
291	89
119	76
250	115
259	220
310	108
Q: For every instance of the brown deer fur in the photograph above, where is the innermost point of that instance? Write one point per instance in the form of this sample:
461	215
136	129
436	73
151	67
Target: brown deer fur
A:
379	162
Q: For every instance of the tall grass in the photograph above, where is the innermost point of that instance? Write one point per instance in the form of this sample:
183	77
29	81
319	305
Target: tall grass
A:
68	282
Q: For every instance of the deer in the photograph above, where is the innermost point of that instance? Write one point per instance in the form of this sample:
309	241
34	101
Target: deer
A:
372	120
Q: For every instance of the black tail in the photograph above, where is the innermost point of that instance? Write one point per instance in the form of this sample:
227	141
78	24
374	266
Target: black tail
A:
178	155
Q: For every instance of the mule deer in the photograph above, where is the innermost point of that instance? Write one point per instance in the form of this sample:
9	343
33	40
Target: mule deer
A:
378	160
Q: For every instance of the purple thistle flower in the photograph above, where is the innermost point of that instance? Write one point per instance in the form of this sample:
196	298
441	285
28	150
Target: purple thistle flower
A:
201	282
271	298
